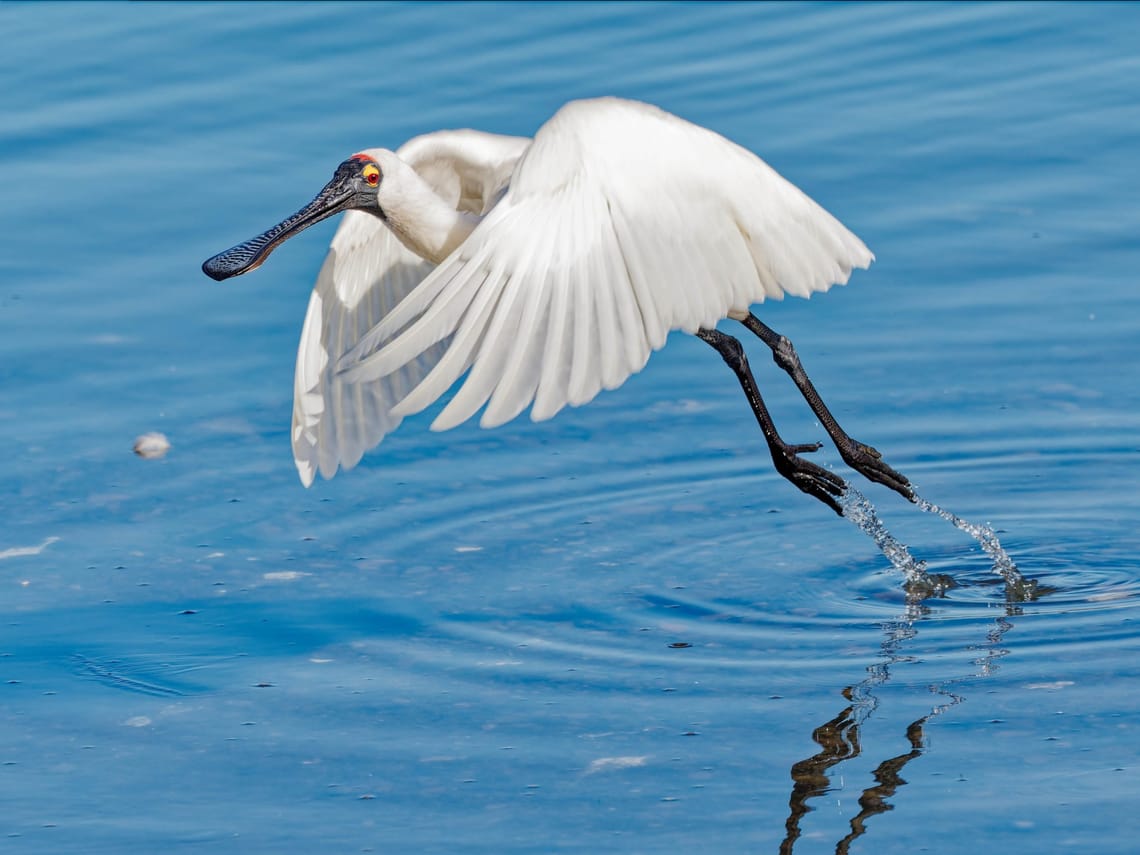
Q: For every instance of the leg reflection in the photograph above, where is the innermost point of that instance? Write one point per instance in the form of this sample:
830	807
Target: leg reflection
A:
838	738
888	779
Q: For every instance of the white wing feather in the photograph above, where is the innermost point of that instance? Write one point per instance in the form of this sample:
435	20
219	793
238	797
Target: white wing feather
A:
621	223
366	273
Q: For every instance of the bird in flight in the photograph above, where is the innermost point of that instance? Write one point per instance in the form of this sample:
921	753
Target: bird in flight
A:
546	270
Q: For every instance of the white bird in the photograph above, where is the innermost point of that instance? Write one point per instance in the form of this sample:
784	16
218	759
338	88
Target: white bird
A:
546	271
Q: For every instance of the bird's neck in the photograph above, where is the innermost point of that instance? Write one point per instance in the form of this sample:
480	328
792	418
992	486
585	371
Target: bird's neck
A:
424	223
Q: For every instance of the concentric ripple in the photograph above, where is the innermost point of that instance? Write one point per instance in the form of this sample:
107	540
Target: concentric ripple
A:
671	571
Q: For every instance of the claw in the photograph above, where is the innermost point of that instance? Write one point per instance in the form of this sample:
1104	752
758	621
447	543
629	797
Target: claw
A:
867	461
807	476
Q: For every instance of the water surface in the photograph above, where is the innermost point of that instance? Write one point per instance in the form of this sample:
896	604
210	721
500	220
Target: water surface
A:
619	630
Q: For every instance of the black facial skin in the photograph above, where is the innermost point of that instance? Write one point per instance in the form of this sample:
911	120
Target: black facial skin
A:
348	189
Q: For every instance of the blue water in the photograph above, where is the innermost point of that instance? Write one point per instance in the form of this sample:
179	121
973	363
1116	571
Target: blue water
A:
620	630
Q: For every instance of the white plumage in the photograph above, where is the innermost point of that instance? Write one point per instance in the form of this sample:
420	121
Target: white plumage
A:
562	264
366	273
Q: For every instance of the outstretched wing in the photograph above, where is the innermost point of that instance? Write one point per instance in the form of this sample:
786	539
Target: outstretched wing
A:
621	223
365	275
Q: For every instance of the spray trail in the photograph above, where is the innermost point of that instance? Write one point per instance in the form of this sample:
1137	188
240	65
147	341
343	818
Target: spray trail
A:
986	538
858	509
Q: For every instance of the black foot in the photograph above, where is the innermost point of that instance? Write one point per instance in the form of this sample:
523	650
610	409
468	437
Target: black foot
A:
810	478
868	462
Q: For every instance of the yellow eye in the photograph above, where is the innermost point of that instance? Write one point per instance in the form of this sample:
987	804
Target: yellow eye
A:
371	174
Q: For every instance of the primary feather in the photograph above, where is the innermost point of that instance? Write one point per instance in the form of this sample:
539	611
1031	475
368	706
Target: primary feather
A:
620	223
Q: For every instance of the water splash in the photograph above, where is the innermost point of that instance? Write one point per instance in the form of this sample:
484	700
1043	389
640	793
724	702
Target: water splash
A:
858	509
987	538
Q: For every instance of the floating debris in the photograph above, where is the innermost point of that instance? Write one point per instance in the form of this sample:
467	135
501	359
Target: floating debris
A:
609	763
152	446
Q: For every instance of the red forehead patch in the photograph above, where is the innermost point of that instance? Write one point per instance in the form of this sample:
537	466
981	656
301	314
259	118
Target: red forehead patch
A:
360	156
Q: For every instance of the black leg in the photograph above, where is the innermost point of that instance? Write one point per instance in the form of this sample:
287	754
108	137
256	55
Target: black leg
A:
862	458
812	479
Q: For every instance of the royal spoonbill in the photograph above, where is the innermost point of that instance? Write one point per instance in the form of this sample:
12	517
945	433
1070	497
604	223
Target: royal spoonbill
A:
547	270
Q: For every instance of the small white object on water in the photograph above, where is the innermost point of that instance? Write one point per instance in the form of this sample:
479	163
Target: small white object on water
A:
152	445
284	575
608	763
20	551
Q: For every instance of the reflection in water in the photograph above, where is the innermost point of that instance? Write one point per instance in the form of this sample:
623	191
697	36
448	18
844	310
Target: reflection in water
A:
838	738
874	799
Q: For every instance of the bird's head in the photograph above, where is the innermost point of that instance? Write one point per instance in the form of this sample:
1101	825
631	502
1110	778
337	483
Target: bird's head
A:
354	186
